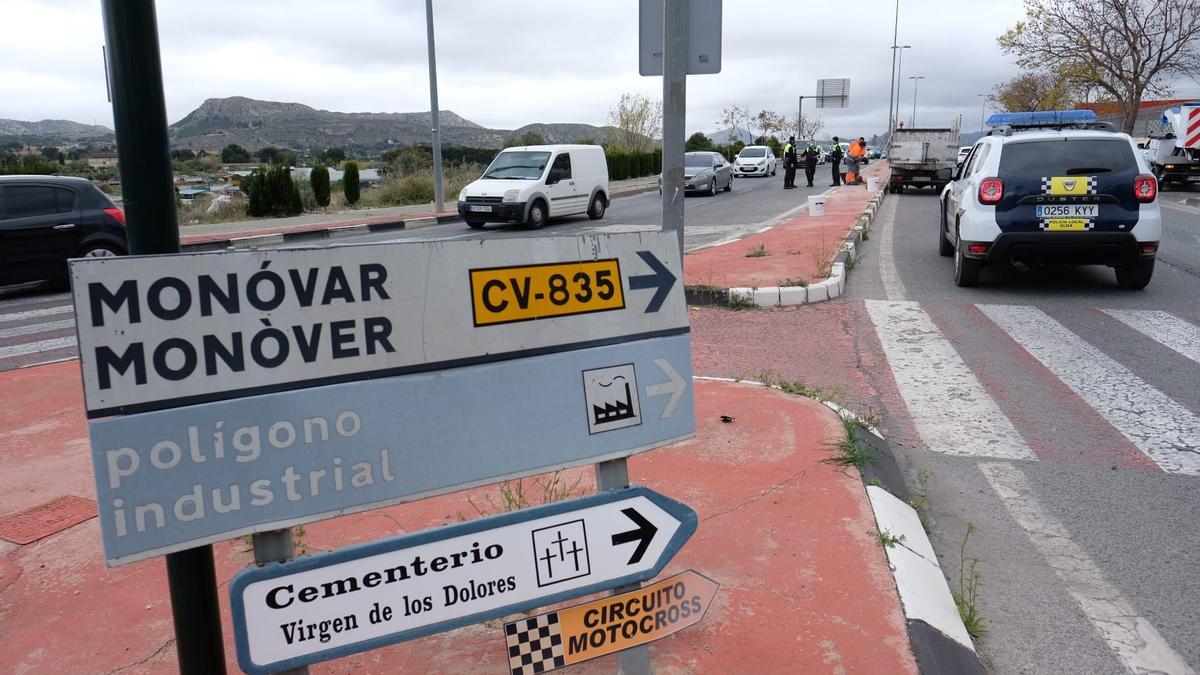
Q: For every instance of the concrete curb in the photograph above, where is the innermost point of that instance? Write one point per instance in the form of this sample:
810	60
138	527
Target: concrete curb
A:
779	296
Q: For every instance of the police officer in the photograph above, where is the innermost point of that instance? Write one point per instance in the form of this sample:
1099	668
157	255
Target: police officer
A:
789	164
812	152
835	161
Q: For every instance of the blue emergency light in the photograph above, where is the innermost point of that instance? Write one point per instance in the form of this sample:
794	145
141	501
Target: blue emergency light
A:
1041	118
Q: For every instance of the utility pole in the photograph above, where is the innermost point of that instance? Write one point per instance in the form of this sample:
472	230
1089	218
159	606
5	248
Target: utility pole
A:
140	122
916	79
438	197
899	67
982	108
892	83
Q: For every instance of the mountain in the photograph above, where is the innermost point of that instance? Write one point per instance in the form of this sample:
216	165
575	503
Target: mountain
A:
726	136
53	132
253	124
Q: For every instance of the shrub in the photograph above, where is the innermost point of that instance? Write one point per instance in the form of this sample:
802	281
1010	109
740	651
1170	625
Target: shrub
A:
272	192
319	179
350	184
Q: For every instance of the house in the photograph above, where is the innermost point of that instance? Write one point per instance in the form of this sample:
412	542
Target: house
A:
104	159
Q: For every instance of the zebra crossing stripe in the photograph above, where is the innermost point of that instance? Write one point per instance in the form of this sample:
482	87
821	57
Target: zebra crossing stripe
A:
36	328
35	347
950	408
1164	328
1167	432
34	300
35	313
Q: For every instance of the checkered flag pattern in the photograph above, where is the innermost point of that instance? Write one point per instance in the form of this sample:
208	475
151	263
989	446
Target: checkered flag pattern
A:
1091	184
535	644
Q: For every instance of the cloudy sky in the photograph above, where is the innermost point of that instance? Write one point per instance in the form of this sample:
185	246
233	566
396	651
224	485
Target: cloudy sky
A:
505	64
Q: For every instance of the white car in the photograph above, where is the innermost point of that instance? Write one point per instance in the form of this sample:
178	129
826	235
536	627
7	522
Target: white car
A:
962	153
755	160
534	183
1052	193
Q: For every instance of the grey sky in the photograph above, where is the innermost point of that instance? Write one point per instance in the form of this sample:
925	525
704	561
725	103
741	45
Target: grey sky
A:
505	64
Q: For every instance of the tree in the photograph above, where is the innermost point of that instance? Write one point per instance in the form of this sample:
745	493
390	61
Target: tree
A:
1124	48
332	156
272	192
53	154
768	123
234	154
183	155
805	128
527	138
698	142
1036	90
319	179
586	140
269	154
350	184
288	158
735	118
638	123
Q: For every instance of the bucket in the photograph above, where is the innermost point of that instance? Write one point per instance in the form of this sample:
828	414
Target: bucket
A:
816	206
873	184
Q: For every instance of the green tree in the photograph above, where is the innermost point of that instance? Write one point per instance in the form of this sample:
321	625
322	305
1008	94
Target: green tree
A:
698	142
288	158
53	154
183	155
319	178
332	156
234	154
527	138
350	184
272	192
638	122
269	154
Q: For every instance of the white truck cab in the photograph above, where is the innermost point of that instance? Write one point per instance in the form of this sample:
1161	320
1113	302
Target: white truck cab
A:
533	183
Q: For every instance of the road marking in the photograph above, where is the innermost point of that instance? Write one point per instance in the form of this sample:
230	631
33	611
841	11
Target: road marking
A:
1161	428
1164	328
893	288
35	347
1131	637
35	299
950	408
35	313
36	328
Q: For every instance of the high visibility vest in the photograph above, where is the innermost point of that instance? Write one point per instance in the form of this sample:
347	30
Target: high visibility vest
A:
788	149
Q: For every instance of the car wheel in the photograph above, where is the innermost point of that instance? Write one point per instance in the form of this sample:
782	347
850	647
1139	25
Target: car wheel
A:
945	248
729	185
1135	277
596	208
773	168
712	187
101	249
475	224
536	219
966	270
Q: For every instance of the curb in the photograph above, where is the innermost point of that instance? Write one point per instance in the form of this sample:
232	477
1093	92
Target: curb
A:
780	296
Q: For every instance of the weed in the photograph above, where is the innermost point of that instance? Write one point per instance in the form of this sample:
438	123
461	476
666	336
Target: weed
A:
800	281
887	539
866	235
736	301
851	452
920	499
760	252
515	495
966	596
875	482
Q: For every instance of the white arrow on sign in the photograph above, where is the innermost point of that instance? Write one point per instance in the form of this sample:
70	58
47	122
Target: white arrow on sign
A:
329	605
675	387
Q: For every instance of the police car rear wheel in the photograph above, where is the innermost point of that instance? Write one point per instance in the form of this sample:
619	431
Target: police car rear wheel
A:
966	270
945	248
1135	277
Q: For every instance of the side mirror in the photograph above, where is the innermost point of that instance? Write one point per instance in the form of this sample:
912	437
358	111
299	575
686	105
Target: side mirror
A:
948	174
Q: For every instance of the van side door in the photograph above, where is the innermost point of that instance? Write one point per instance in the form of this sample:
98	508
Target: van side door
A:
560	187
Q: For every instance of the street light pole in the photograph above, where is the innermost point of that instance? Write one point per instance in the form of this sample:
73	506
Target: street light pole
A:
982	108
892	84
438	197
899	67
916	80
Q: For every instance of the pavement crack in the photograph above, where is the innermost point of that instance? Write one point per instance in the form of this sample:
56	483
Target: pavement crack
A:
135	664
759	496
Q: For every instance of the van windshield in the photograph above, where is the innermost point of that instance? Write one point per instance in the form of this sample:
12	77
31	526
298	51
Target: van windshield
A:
518	165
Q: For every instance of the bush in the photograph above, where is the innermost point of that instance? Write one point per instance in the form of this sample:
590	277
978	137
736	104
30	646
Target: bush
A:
350	184
319	180
402	190
272	192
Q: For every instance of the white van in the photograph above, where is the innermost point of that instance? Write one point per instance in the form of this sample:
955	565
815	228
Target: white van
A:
533	183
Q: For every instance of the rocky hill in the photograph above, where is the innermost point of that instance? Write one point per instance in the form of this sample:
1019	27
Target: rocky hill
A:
53	132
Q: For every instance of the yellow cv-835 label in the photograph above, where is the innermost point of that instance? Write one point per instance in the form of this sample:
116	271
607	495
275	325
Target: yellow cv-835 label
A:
528	292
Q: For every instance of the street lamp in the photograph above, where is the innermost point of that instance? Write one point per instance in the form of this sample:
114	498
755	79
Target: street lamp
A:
916	80
982	109
892	82
899	66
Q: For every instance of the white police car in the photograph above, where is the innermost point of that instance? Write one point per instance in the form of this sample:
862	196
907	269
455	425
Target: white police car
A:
1052	187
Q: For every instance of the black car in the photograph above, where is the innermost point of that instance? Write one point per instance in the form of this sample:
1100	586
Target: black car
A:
44	220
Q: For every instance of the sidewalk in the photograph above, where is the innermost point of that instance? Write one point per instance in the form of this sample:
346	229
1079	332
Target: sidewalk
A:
805	585
355	221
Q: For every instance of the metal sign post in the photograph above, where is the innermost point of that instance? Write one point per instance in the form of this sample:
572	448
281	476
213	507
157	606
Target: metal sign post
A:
438	197
675	51
140	121
830	94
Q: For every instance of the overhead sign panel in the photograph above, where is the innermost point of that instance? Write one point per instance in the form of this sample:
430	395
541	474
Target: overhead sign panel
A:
173	479
358	598
833	93
165	331
549	641
704	37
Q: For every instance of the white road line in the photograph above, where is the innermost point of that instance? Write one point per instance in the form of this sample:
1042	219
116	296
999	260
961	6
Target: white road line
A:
950	408
1164	430
33	300
893	288
36	328
1163	327
1131	637
35	313
35	347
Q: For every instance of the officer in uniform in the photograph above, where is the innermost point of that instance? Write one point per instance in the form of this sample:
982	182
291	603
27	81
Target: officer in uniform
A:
812	152
835	161
789	164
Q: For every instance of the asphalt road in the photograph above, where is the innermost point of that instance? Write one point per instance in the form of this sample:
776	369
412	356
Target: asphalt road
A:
1068	437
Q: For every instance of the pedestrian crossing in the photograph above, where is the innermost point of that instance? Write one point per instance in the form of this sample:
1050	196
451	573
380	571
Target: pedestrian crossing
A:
1028	360
35	329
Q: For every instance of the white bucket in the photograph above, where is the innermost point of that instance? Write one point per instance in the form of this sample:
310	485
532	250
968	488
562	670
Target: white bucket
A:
873	184
816	206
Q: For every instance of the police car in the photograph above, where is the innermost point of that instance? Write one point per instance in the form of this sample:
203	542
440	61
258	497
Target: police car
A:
1052	187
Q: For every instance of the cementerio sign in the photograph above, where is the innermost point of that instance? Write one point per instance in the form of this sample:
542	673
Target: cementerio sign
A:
166	331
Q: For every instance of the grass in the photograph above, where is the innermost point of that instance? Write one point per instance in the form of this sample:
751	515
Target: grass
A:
887	539
514	495
920	499
798	281
966	596
737	301
760	252
850	451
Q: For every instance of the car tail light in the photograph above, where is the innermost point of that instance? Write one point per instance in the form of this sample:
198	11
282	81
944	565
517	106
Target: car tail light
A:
977	249
1145	188
991	191
1150	247
116	214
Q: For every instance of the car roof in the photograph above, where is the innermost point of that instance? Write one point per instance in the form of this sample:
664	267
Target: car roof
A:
1058	134
551	148
22	179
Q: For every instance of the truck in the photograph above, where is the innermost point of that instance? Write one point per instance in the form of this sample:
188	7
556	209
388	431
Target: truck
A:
922	158
1174	147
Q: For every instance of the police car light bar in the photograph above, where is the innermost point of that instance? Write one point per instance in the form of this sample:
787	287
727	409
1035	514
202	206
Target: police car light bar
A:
1042	118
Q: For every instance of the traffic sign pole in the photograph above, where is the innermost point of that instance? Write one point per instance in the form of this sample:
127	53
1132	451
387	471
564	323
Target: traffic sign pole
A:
675	65
614	475
276	546
140	121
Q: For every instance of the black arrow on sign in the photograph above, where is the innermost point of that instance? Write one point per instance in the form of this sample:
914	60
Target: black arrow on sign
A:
662	279
644	534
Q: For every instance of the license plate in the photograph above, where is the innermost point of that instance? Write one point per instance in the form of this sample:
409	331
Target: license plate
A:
916	178
1068	211
1194	179
481	209
1067	224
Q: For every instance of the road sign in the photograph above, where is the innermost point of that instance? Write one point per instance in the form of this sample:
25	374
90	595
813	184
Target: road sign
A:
163	331
568	636
171	479
704	37
329	605
833	93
